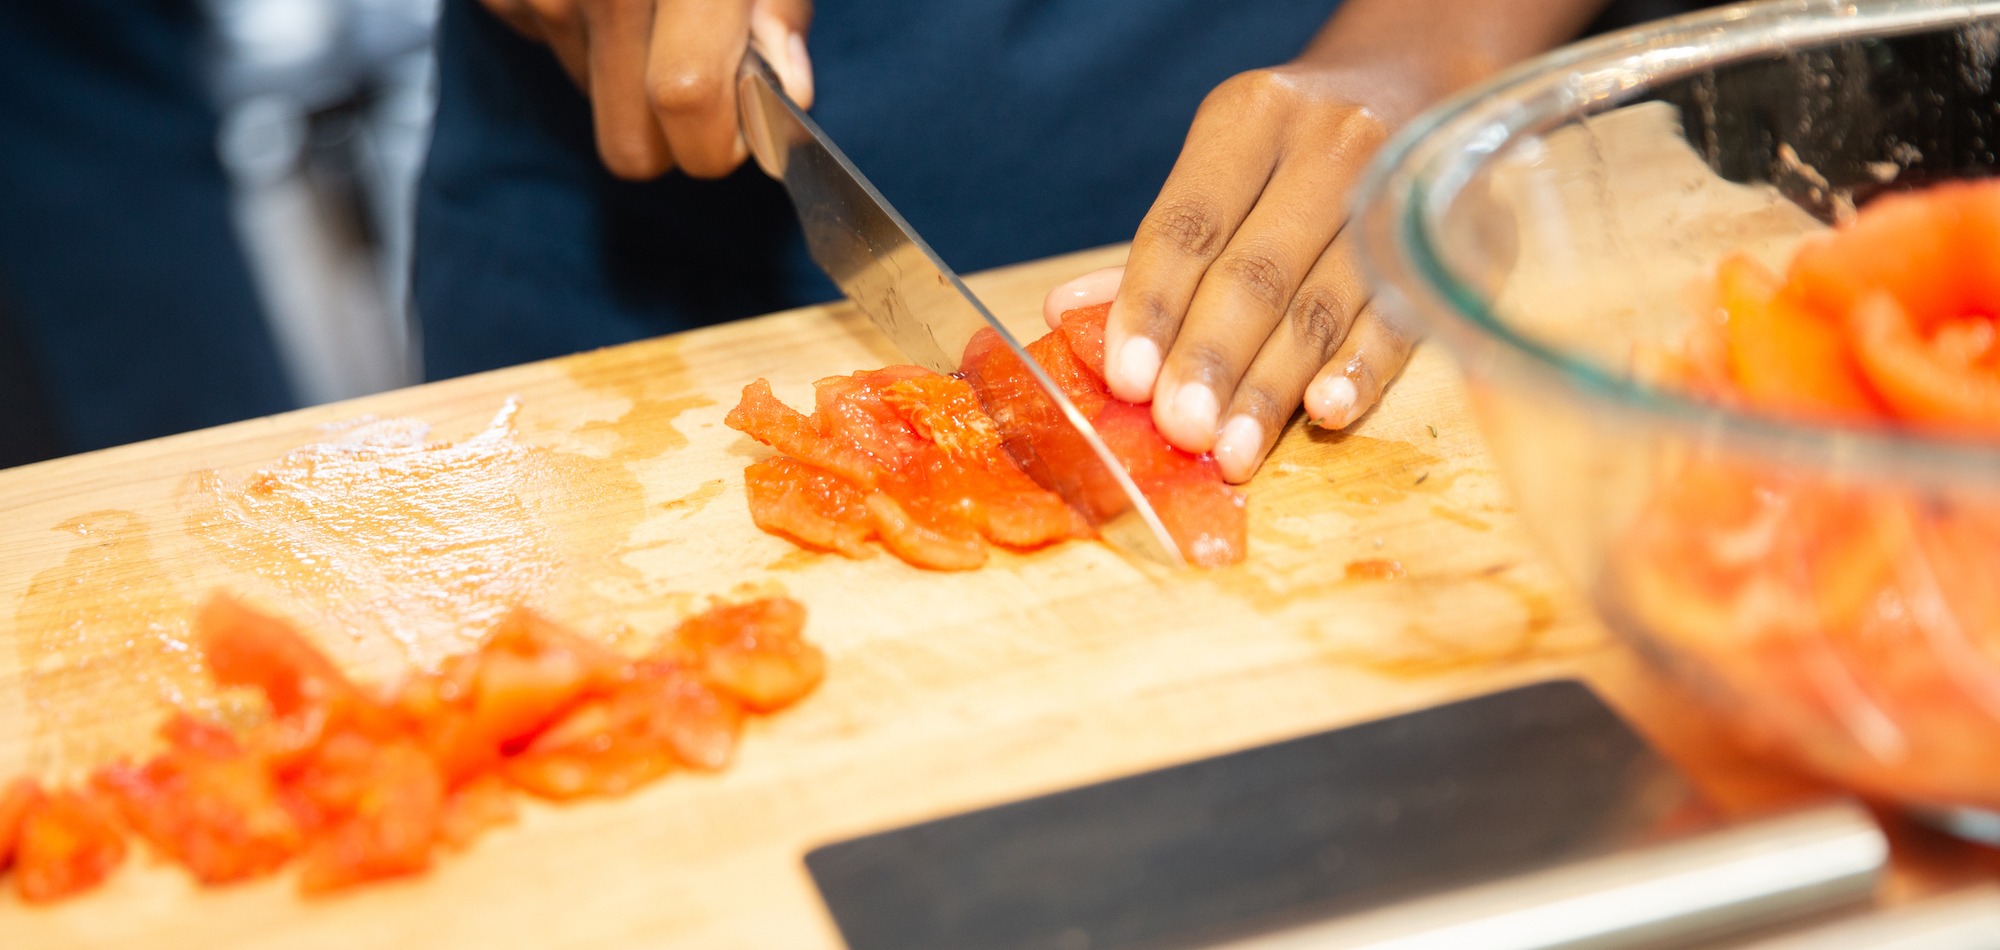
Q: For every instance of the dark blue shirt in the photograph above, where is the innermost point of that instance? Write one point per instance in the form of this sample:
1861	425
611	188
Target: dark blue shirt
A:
1004	130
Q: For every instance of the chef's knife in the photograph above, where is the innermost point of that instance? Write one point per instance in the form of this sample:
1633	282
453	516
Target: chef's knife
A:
881	264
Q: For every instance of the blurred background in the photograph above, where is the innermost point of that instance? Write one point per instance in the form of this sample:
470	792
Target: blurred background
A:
325	109
130	264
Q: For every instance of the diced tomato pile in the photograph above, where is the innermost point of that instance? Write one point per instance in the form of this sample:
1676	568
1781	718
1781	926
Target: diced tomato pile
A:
1861	620
932	466
357	786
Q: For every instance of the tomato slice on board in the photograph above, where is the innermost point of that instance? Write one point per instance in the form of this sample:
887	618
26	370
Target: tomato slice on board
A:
762	417
810	505
1783	356
68	842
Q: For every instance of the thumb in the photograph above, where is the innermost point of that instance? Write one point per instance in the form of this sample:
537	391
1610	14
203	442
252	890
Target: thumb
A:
779	26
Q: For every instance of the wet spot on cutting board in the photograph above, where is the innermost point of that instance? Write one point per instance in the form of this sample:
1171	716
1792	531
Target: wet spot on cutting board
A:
795	559
405	550
1513	622
696	500
103	641
652	378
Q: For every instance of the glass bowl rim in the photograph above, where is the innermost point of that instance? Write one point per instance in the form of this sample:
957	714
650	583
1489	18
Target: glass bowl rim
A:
1433	156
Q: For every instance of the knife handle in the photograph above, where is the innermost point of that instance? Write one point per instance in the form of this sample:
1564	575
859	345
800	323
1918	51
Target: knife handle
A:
758	95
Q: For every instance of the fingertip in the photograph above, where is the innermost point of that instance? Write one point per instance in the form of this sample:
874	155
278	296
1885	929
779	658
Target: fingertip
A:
1333	401
1098	286
1187	417
797	74
1133	369
1240	448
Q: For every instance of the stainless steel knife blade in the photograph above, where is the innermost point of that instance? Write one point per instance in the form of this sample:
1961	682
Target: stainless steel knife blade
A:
895	278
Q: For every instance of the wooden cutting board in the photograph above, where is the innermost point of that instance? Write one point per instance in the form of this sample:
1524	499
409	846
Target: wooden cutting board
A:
604	489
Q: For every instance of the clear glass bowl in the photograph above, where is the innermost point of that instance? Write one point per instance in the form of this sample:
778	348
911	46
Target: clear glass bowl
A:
1833	590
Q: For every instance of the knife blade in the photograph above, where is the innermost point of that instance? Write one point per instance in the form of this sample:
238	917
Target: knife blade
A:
890	274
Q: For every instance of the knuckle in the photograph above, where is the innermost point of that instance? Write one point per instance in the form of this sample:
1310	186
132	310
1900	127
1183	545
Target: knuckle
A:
1359	129
1186	226
551	11
1256	90
684	89
1259	274
1318	320
1204	360
1255	399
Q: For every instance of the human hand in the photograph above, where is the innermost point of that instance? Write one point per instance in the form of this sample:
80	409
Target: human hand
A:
1241	298
661	74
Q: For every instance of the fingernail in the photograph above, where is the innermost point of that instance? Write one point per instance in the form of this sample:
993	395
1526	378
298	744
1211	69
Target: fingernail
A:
1196	406
801	72
1237	447
1138	365
1333	402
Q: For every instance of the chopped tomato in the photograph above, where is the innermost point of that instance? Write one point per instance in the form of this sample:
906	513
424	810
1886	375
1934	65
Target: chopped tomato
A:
16	799
68	843
378	807
525	674
483	803
613	744
221	816
246	648
754	652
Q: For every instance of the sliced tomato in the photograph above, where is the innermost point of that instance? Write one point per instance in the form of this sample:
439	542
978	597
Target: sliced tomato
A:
1784	357
1208	519
754	651
379	808
857	412
1084	329
944	411
762	417
921	541
810	505
69	842
1916	381
1907	245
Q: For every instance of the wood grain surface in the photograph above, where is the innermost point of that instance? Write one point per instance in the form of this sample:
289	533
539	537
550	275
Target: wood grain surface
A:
604	489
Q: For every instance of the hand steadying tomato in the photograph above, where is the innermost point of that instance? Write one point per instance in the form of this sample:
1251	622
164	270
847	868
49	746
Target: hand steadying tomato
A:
1241	299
